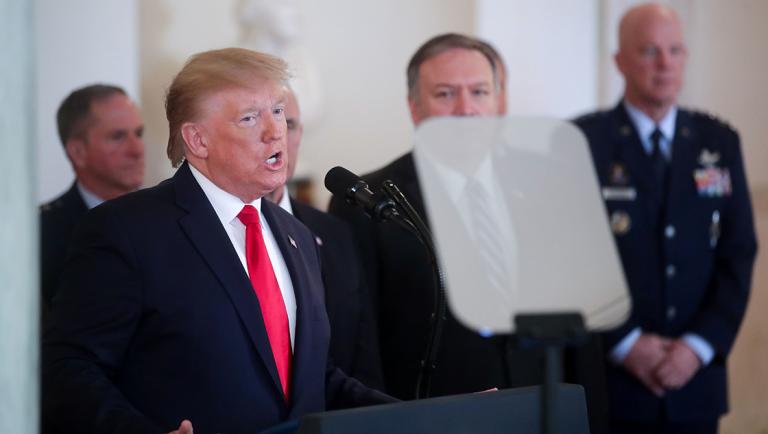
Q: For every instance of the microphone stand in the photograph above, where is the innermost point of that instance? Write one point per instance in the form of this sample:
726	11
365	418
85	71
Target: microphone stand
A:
437	320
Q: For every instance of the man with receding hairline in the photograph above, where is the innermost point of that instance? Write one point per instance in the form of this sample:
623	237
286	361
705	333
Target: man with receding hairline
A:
449	75
195	303
101	131
677	200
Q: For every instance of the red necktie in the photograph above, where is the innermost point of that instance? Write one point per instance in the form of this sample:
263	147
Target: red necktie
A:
268	292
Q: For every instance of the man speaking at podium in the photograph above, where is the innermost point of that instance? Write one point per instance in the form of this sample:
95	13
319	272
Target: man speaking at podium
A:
195	303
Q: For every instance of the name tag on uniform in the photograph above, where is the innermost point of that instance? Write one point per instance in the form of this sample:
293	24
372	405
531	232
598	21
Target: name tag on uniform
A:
712	182
619	193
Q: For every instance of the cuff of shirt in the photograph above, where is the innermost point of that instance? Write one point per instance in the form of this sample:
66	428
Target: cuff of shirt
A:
619	351
700	346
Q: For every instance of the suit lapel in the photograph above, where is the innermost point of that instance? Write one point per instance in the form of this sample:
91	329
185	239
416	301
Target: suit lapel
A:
630	151
291	246
684	159
204	230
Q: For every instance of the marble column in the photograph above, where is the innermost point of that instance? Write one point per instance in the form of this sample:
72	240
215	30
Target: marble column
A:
19	315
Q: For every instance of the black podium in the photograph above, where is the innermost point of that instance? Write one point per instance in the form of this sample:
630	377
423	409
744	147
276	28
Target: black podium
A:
508	411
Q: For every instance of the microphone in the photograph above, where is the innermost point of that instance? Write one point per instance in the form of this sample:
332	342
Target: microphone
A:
343	183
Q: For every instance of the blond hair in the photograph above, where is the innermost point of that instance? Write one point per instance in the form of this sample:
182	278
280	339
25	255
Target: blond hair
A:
207	73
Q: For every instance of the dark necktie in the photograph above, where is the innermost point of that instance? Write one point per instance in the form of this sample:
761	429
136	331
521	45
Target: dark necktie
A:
268	292
660	165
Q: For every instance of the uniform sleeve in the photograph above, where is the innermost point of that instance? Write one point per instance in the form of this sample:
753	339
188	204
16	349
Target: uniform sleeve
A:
719	318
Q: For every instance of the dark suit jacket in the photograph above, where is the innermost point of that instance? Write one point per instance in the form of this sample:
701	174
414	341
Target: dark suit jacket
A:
354	342
156	321
58	219
685	273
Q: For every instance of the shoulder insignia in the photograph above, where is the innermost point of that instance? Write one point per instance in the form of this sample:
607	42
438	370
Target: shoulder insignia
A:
708	158
711	118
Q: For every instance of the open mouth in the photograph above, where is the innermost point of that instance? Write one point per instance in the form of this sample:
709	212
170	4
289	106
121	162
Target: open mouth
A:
274	159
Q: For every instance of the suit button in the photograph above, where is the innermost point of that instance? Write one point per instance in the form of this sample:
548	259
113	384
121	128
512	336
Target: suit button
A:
670	271
671	312
669	231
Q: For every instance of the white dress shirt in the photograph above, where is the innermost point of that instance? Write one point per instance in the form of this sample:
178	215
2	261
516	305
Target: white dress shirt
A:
90	199
285	202
227	207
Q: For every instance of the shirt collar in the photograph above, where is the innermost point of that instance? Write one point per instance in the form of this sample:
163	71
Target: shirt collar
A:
226	205
645	126
90	199
285	201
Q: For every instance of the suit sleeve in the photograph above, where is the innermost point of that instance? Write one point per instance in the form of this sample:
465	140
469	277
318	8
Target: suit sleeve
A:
365	237
95	315
367	363
719	318
343	391
368	367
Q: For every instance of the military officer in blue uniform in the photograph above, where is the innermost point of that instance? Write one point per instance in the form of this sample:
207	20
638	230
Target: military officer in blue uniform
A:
677	200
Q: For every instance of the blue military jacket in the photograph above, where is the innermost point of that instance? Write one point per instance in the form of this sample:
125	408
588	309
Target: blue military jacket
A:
687	253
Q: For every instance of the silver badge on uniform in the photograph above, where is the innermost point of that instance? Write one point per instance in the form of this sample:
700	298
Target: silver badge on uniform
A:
620	222
618	193
709	159
714	229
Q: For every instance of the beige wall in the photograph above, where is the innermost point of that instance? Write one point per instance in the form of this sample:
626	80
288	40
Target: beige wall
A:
748	364
76	43
728	65
360	50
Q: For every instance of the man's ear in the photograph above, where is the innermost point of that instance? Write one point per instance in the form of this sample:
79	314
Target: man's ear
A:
77	152
618	59
413	107
195	140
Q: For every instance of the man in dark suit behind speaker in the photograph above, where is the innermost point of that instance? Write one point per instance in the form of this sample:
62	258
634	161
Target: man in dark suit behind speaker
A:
449	75
101	131
354	345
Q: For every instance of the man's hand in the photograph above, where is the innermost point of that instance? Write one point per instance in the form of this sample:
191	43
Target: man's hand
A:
184	428
678	367
648	352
